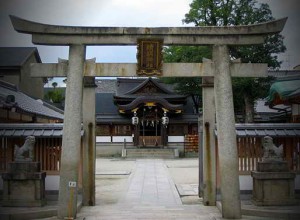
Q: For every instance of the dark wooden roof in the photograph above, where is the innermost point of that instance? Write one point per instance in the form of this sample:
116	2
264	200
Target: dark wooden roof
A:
159	87
157	99
134	93
128	88
15	57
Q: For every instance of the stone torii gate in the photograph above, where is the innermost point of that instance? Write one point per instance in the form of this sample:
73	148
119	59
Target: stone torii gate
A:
218	71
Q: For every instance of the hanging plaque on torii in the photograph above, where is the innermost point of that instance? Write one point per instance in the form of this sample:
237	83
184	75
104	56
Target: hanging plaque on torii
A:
149	57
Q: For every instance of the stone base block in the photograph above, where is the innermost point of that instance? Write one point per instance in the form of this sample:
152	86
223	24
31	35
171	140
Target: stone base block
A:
23	167
28	193
273	188
272	166
24	185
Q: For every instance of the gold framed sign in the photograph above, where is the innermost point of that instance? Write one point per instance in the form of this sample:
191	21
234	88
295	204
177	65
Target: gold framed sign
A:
149	56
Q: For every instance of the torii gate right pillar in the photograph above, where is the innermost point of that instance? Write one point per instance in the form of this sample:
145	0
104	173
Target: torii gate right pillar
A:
227	146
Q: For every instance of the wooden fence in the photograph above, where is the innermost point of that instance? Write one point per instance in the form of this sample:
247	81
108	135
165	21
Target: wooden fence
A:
250	152
47	151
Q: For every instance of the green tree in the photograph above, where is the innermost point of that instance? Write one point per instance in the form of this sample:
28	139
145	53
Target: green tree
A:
190	86
54	84
55	96
238	12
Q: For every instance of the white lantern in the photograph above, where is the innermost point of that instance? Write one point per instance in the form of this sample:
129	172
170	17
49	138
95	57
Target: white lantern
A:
135	119
165	119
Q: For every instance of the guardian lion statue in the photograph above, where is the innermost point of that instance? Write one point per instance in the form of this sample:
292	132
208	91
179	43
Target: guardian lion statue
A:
271	151
26	152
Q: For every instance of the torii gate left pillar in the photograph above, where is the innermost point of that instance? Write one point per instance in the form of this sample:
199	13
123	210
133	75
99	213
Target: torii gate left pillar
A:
70	156
219	37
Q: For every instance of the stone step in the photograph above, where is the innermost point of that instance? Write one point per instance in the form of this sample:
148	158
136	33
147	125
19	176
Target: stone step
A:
150	153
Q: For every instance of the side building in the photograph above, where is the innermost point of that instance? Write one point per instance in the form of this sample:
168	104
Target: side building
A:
141	113
15	69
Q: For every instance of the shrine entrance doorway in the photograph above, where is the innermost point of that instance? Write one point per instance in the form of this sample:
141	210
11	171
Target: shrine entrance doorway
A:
150	134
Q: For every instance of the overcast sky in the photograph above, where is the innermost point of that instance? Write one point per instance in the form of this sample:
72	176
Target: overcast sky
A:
141	13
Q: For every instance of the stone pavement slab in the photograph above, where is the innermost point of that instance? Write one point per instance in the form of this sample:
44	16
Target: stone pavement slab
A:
187	189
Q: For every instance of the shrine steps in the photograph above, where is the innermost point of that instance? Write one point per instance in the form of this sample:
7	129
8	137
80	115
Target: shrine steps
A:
147	152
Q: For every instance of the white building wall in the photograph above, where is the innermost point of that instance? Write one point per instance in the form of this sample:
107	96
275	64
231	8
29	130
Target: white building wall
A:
115	139
173	139
103	139
52	182
246	182
121	139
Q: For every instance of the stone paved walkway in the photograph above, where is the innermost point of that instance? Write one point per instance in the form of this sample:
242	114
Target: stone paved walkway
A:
151	184
151	194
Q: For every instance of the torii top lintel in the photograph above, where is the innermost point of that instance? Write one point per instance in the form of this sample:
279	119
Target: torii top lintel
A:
46	34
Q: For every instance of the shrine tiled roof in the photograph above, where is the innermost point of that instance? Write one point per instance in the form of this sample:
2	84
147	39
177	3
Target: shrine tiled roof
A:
267	129
34	129
127	88
24	103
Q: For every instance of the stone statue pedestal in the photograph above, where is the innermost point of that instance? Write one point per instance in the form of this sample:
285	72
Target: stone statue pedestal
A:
273	184
24	185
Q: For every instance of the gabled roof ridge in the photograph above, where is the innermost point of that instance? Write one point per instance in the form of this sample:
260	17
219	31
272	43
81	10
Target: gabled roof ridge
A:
35	52
150	79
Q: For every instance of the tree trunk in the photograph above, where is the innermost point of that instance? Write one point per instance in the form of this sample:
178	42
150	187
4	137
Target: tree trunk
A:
249	110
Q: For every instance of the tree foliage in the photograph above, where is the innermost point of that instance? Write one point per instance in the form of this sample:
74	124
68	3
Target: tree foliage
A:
229	13
190	86
54	84
55	96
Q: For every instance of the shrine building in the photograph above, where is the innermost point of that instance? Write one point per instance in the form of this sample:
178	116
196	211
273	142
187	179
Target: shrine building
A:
142	112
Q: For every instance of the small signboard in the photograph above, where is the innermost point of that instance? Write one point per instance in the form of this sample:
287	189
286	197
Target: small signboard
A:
149	56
